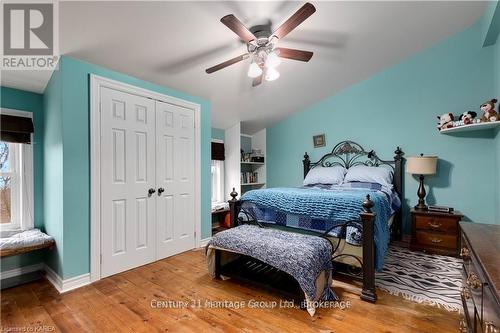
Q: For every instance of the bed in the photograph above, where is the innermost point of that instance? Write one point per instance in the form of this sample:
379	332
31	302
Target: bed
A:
360	236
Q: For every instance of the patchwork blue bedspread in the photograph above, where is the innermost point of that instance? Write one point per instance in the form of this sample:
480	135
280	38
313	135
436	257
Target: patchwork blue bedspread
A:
319	210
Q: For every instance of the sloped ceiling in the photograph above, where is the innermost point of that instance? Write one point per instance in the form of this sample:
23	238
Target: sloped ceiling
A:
172	43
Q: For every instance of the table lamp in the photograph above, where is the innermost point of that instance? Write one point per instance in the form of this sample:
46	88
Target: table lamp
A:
421	165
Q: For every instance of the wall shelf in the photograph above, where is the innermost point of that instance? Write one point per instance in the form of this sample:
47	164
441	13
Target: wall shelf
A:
253	184
471	127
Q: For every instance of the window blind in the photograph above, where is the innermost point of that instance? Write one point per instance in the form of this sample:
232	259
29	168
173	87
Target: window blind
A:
217	151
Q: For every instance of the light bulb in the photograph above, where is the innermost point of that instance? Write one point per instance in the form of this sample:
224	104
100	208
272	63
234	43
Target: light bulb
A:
272	60
254	70
272	74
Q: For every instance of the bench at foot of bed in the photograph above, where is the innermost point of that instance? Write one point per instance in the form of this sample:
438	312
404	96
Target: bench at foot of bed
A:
295	265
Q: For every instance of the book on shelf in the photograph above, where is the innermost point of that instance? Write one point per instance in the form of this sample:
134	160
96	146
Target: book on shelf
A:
249	177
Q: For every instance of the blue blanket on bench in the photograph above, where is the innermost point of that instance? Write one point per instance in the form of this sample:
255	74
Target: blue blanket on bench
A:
304	257
326	208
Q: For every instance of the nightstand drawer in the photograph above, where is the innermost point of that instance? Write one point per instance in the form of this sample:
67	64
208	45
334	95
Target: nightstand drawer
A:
436	239
443	224
435	232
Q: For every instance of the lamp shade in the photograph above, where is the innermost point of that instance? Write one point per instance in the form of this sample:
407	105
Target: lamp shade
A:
421	165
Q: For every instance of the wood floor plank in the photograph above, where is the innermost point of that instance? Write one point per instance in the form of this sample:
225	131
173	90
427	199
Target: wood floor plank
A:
39	317
123	303
145	294
11	315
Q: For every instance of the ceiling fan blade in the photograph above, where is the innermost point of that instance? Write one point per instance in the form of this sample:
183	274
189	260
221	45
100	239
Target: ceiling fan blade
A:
257	80
237	27
299	55
300	16
226	63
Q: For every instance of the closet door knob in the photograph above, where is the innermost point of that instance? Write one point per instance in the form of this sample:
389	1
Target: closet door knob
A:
160	191
151	191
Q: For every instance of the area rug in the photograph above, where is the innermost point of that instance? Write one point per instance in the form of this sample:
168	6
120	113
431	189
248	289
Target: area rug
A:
423	278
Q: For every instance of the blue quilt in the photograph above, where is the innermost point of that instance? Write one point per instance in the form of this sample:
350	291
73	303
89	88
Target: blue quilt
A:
325	208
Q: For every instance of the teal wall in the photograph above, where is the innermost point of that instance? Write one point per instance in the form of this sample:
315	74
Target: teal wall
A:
491	32
218	134
398	106
490	23
70	93
497	95
31	102
246	144
53	176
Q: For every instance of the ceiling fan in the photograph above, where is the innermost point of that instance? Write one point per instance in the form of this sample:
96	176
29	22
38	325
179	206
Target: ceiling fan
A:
262	45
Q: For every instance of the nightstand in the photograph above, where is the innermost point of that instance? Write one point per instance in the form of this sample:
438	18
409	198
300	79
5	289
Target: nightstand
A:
435	232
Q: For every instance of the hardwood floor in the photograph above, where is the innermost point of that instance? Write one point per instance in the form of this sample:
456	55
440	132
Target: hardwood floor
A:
123	303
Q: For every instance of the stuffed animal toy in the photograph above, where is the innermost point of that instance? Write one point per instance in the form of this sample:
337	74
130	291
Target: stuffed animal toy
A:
445	121
489	112
468	117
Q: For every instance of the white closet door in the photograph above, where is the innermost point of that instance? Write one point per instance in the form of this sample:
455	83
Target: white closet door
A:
175	155
127	173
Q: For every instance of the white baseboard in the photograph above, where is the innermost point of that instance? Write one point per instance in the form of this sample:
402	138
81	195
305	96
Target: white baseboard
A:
205	241
63	286
53	278
21	270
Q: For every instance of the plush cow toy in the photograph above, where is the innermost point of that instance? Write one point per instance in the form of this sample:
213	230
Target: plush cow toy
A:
445	121
489	113
468	117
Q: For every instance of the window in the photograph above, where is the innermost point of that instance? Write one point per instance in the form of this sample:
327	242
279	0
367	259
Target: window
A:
217	181
16	183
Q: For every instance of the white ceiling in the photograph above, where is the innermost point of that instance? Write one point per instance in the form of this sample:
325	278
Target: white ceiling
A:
172	43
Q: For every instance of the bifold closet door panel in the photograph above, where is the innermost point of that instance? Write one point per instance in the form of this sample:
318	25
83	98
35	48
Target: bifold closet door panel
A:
175	172
128	210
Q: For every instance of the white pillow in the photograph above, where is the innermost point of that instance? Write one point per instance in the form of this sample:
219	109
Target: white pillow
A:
325	175
363	173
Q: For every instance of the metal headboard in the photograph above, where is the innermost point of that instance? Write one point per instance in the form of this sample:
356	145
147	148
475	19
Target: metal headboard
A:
349	153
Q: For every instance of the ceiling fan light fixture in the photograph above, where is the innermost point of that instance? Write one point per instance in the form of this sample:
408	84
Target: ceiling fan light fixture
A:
262	45
272	74
272	60
254	70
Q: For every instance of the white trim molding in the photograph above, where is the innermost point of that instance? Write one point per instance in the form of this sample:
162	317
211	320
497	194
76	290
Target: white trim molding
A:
21	270
17	113
96	85
204	242
63	286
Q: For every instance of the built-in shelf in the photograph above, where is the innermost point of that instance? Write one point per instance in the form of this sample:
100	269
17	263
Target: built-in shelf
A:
253	163
241	173
471	127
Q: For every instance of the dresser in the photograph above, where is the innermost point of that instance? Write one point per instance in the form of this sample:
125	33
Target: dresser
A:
480	252
435	232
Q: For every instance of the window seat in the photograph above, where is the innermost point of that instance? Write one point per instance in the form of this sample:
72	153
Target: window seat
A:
25	241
